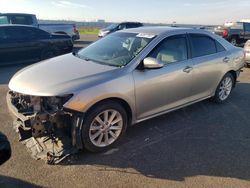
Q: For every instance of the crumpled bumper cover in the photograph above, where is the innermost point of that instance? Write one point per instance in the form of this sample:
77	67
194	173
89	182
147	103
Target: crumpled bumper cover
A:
52	148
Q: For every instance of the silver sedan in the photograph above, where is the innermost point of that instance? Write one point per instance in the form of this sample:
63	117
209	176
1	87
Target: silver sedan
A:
87	99
247	52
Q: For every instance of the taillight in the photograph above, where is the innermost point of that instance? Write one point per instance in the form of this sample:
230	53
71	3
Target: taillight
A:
225	33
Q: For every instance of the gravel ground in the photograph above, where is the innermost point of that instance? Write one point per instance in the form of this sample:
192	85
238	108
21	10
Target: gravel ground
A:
203	145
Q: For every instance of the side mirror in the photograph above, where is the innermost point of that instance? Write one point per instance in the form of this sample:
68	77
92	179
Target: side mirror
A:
152	63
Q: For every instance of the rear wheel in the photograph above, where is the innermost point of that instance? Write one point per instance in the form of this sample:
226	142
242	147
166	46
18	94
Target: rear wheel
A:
233	41
104	126
224	89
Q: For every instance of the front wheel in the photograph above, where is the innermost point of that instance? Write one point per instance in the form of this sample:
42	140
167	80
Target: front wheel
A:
224	89
104	126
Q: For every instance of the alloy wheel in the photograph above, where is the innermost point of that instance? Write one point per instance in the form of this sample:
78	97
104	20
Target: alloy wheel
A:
105	128
225	88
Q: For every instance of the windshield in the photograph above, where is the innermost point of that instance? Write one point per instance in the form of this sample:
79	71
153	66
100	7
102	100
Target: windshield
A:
117	49
111	27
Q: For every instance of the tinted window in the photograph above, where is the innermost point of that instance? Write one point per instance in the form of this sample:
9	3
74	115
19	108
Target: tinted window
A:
36	32
247	26
4	20
219	47
237	25
16	33
130	25
170	50
24	20
202	45
133	25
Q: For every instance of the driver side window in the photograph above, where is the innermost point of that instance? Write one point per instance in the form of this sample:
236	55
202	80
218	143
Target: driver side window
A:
171	50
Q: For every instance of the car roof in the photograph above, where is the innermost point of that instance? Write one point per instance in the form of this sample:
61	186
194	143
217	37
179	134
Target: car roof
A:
17	25
155	30
21	26
23	14
130	23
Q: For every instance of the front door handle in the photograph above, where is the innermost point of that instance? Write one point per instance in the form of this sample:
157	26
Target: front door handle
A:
226	59
188	69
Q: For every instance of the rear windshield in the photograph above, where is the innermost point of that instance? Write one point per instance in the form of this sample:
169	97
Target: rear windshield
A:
16	19
23	20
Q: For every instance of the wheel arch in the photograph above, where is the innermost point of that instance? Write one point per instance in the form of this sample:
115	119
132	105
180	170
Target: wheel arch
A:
121	101
234	74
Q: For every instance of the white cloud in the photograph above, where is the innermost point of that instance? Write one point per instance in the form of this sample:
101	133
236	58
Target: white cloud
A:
68	4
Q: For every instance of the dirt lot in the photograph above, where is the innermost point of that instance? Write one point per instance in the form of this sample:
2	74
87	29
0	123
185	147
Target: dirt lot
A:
204	145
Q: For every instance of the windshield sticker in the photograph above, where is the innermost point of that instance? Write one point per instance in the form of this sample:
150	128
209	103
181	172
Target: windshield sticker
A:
144	35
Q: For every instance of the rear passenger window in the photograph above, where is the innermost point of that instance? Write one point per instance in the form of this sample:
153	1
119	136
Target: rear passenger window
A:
219	47
202	45
16	33
170	50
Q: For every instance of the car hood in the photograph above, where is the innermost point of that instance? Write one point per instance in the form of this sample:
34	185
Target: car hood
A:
58	76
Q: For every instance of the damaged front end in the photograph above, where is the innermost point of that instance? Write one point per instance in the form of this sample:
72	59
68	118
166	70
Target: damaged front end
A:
48	130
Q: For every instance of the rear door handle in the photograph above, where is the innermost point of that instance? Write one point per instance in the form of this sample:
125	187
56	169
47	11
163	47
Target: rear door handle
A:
226	59
188	69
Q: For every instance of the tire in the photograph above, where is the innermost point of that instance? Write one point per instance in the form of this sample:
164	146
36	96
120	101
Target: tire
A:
225	88
233	41
91	127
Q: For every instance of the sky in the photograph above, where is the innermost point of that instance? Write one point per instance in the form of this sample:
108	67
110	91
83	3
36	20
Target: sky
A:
151	11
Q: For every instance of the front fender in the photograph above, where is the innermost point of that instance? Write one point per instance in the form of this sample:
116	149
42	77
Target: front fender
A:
120	88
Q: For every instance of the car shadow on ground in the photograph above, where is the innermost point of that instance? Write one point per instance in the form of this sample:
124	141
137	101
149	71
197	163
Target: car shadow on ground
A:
203	139
9	182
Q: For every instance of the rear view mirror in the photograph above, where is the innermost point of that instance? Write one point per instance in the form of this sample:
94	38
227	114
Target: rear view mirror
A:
152	63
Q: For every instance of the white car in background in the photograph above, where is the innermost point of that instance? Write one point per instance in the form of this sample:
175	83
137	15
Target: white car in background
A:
247	53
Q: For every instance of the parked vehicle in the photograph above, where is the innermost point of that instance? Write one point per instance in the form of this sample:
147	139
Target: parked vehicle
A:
127	77
31	20
26	44
237	33
247	53
118	26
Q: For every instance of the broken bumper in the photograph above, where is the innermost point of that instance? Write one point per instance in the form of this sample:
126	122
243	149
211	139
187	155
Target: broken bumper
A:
50	137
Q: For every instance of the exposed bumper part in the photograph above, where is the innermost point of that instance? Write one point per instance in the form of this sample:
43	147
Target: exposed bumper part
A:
50	136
